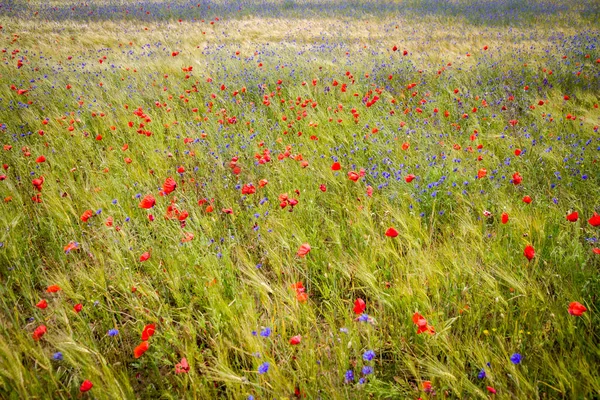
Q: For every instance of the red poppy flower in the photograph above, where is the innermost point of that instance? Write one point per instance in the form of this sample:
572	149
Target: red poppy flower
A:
594	220
53	289
427	386
148	331
577	309
248	189
573	217
140	349
353	176
182	367
359	306
145	256
39	332
529	252
295	340
169	186
71	246
87	214
187	237
37	183
409	178
302	297
526	199
517	179
183	215
85	386
422	324
336	166
303	250
42	304
147	202
391	232
504	218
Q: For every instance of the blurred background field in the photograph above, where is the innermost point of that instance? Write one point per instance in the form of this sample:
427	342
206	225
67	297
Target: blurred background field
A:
433	110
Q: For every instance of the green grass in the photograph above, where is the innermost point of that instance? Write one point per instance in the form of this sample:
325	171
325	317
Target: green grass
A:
464	272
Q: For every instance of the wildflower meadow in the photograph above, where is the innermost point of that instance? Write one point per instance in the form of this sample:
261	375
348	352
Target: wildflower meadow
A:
299	199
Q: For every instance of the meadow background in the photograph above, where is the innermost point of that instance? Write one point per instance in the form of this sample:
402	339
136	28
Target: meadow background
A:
249	107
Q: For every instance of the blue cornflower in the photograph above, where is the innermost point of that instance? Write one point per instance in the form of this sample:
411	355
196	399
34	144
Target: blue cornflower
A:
364	318
361	381
58	356
367	369
481	374
369	355
263	368
113	332
266	332
516	358
349	376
